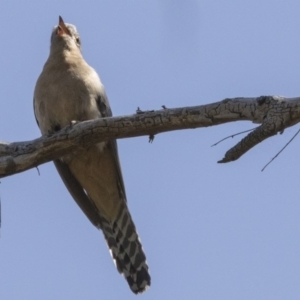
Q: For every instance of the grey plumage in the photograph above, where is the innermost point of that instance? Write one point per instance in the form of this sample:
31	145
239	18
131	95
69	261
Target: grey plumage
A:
67	90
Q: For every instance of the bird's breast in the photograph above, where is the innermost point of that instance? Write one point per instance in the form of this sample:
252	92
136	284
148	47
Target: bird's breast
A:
63	96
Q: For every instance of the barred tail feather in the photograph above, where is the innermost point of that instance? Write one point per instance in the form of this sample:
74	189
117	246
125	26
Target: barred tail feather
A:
126	250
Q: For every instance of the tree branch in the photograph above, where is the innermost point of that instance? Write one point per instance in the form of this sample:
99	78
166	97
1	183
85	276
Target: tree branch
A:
274	113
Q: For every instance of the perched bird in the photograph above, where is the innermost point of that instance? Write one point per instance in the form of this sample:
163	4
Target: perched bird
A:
67	90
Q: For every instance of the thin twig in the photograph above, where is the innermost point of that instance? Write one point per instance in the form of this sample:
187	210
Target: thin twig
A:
232	136
38	170
281	150
151	138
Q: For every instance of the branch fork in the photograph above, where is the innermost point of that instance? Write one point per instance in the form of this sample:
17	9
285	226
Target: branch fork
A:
274	113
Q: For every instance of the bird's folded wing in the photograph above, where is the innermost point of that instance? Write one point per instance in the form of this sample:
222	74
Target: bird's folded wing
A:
105	110
78	193
114	148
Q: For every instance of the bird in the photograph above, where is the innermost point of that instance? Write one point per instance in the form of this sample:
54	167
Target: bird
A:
69	90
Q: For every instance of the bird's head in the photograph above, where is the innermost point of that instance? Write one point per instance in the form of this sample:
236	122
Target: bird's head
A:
65	36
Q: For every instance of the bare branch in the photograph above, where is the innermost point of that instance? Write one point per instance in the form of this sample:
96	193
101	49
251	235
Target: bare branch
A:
266	130
231	136
281	150
274	113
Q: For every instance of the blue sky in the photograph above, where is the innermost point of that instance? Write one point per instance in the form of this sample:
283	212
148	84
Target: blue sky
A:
210	231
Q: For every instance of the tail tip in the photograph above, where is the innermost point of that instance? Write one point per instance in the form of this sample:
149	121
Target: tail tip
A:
140	281
141	288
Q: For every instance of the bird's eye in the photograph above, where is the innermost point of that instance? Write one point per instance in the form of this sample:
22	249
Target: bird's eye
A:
78	40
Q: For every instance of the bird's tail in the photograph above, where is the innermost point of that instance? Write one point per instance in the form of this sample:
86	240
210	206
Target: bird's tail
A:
126	249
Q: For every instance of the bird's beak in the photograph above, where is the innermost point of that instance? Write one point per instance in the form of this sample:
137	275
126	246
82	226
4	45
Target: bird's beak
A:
62	28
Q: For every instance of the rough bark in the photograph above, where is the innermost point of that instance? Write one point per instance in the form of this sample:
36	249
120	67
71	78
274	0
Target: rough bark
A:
274	113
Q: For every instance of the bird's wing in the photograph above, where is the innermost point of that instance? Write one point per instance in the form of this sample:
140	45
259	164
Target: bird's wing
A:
105	110
75	188
78	193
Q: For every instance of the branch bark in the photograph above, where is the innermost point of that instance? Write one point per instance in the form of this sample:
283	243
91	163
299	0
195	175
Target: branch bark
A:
274	113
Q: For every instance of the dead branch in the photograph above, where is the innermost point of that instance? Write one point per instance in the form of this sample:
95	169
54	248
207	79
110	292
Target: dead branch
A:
274	113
